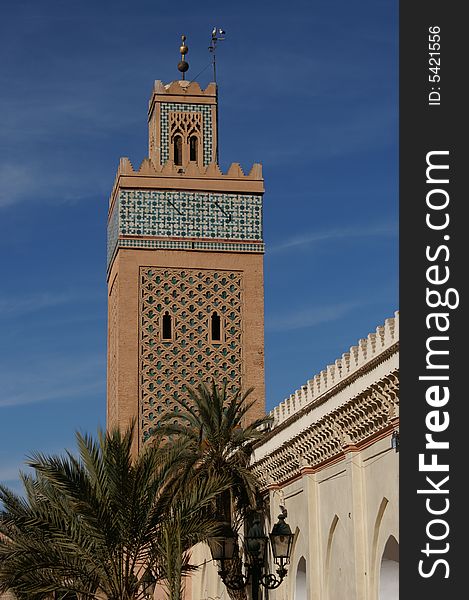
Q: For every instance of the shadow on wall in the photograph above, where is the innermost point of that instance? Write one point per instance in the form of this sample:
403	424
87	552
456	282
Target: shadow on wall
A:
389	572
300	583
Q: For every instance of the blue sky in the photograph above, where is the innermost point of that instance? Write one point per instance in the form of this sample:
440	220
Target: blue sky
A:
308	88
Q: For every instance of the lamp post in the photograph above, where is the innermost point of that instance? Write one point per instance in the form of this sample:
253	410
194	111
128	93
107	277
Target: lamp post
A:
148	583
223	548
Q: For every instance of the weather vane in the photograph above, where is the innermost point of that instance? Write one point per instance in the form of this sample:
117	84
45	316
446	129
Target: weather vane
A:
182	64
216	33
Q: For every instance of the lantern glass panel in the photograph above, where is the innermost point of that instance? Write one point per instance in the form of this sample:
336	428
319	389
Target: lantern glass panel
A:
281	545
222	548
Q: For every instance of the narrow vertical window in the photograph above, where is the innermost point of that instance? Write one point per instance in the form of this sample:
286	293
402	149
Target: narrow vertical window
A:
215	327
167	333
177	147
193	142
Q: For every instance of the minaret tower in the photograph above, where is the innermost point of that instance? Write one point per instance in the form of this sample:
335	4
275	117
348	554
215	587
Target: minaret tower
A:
185	265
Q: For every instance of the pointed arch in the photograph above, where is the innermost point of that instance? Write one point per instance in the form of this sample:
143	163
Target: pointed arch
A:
215	327
300	580
194	148
177	149
330	539
167	332
389	571
374	544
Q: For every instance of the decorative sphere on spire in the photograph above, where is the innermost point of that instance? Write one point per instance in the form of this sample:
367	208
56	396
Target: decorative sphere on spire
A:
183	49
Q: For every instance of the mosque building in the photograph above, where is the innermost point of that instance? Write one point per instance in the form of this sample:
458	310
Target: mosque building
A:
186	303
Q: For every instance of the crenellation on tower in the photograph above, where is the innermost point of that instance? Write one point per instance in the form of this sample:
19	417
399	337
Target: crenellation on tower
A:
182	108
193	177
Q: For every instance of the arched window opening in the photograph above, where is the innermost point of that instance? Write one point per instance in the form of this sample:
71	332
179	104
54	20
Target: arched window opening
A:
193	144
300	583
167	329
215	327
177	147
389	572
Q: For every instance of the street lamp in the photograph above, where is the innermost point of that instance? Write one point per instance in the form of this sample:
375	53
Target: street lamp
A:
223	548
395	441
281	540
148	583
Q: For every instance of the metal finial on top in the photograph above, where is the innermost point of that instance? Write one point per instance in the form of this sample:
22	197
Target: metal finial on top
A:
182	64
217	34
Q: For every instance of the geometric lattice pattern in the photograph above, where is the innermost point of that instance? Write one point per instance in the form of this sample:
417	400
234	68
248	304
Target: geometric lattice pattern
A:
204	109
186	124
181	245
190	214
167	367
153	213
112	233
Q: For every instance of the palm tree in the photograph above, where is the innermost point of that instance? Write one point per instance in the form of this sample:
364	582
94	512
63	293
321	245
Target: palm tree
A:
212	428
95	525
217	440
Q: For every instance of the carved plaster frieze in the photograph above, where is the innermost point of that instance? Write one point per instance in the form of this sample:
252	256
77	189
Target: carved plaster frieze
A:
349	427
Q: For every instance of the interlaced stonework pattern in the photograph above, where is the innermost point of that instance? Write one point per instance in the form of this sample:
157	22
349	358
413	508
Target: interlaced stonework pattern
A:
168	108
346	407
362	417
185	123
196	215
167	366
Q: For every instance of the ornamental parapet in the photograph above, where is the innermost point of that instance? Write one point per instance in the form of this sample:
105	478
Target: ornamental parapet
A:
191	177
345	408
367	351
360	421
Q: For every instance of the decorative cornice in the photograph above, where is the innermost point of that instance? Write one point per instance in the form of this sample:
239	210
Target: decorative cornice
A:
352	426
308	470
189	90
192	177
147	167
345	408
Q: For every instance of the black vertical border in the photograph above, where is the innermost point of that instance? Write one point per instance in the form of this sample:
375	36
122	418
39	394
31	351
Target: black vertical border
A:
424	128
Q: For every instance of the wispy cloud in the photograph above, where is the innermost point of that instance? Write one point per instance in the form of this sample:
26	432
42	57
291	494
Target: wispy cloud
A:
309	317
10	471
11	306
52	118
15	305
33	180
330	235
17	182
52	378
60	391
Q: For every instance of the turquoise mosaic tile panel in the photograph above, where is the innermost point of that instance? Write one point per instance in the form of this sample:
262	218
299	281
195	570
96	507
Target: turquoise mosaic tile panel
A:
190	214
205	109
236	217
112	233
225	246
181	245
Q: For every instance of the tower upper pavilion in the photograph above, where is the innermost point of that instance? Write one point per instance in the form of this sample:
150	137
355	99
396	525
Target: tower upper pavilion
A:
185	266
